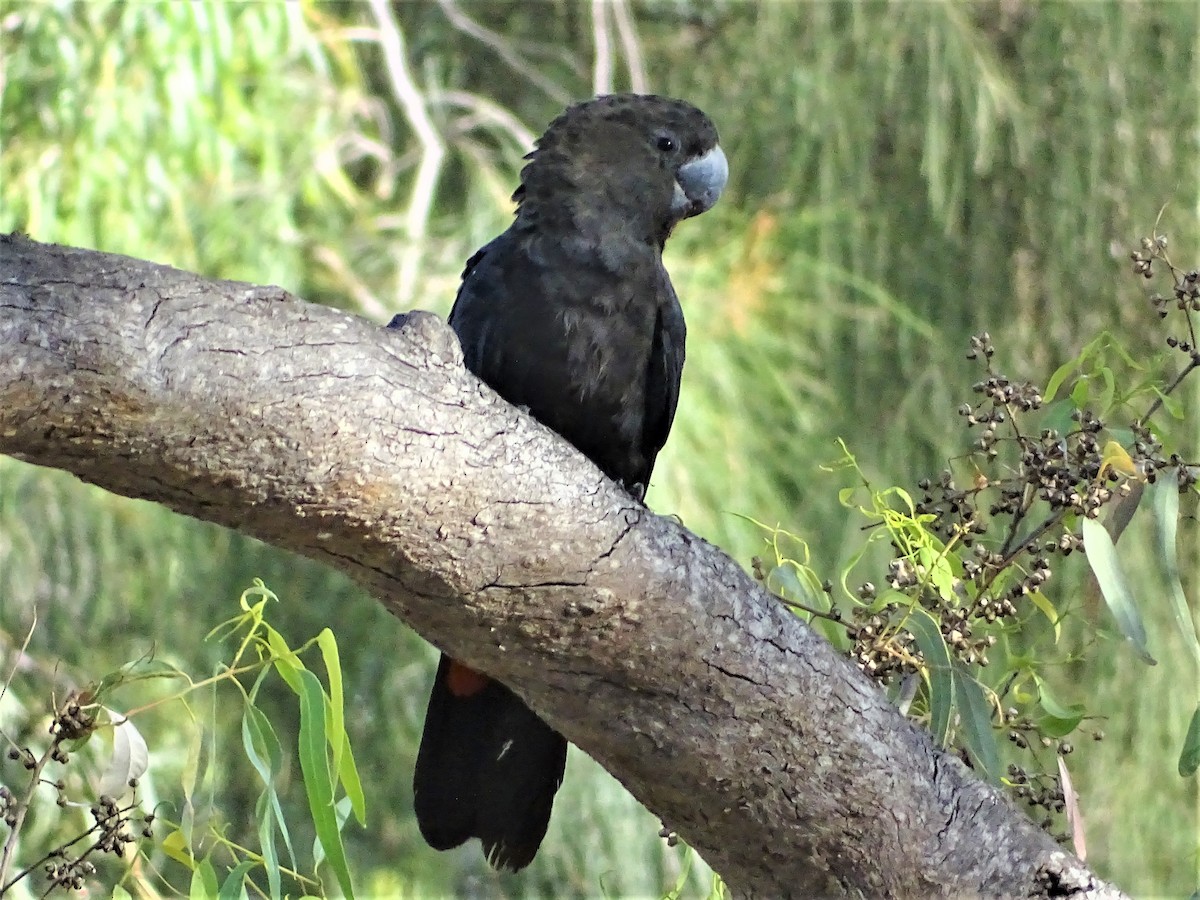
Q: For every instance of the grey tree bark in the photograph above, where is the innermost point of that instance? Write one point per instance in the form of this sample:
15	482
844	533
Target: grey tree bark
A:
376	452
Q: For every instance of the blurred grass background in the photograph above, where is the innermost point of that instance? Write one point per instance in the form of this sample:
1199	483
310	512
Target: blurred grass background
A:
903	175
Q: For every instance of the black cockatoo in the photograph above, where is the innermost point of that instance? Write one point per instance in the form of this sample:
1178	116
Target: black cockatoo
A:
571	314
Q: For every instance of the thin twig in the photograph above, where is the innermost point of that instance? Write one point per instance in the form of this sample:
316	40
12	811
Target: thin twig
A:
490	113
22	810
368	304
504	50
804	607
1158	401
10	845
20	654
602	63
630	46
433	150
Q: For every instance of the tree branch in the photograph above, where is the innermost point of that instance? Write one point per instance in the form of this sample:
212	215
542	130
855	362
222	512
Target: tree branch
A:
378	453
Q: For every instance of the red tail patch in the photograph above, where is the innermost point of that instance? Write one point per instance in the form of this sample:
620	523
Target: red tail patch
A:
464	681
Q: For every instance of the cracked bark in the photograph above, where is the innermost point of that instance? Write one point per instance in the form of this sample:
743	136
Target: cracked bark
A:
377	453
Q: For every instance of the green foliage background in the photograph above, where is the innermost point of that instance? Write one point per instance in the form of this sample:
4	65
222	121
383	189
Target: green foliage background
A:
904	174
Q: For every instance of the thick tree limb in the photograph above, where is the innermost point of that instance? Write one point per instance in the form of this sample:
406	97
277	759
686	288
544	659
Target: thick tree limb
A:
376	452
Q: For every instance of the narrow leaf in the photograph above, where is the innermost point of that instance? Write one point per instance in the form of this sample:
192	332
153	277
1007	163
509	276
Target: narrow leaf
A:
1189	758
260	743
1164	502
337	710
1074	816
1054	727
266	755
318	781
1059	376
347	774
1110	388
265	811
187	780
975	716
1122	508
1079	393
147	667
287	663
937	657
1170	404
785	581
1047	609
233	887
175	845
343	809
1053	706
204	881
1102	557
344	769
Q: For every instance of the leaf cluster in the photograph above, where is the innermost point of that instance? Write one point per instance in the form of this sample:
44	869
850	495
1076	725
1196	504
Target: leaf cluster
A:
112	783
966	622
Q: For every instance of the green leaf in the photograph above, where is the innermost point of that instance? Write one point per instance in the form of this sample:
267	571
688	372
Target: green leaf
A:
266	814
1116	457
1189	757
784	581
260	743
204	881
677	892
941	684
1102	557
940	571
318	781
337	710
1055	727
342	808
141	669
975	716
1051	704
343	758
188	778
263	749
1079	393
234	887
1122	509
175	845
1038	599
907	498
1110	389
1170	404
347	774
1164	502
287	663
1057	379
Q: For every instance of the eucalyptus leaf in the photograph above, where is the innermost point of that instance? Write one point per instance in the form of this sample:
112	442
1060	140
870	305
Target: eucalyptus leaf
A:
1189	757
1102	556
1164	501
937	658
975	717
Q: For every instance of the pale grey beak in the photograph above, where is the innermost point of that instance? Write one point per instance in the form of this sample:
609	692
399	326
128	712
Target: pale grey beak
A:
699	182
